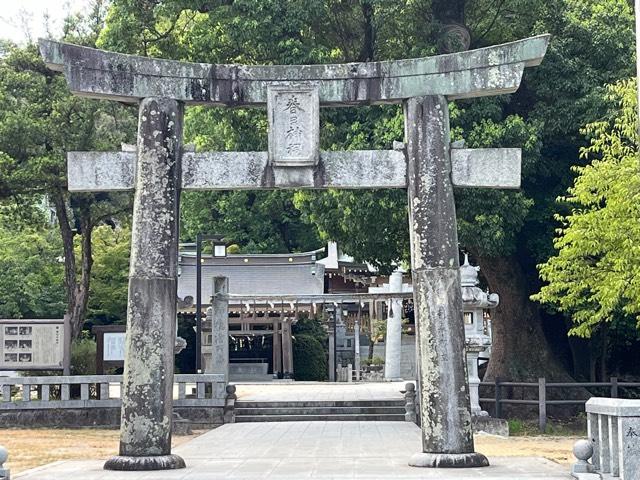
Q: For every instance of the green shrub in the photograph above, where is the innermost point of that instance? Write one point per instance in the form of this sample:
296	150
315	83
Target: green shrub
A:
309	358
377	361
516	427
83	355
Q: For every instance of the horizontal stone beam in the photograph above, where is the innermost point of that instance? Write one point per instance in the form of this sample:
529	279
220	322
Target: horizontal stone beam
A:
100	171
113	171
486	167
128	78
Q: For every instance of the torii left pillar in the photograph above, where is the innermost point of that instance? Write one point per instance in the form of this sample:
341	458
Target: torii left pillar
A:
147	397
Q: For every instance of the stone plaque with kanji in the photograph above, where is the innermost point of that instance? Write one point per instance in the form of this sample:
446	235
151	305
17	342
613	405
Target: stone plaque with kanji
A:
294	129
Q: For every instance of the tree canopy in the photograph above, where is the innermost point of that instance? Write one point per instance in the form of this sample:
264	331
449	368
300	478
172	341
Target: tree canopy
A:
595	275
507	232
39	122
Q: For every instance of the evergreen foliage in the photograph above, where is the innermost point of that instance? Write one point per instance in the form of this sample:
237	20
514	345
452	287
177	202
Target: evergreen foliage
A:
591	276
310	350
309	358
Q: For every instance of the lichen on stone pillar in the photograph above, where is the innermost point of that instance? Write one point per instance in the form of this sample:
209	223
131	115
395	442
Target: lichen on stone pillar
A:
447	439
147	390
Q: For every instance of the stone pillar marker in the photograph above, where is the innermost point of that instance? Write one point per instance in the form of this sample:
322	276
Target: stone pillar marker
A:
447	439
356	343
220	327
393	340
332	347
147	396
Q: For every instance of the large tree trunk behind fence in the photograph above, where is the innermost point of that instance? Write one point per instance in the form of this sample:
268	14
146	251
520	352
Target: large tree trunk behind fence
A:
520	351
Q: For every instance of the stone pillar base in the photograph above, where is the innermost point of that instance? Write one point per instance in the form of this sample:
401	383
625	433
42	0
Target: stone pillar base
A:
155	462
448	460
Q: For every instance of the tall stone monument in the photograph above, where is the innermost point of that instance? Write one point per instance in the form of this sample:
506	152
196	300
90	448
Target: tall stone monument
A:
427	167
393	340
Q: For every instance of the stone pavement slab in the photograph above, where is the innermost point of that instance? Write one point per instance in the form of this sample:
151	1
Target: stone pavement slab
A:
299	450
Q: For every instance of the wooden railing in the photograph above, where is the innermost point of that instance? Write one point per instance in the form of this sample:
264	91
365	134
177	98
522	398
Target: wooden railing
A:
613	386
92	391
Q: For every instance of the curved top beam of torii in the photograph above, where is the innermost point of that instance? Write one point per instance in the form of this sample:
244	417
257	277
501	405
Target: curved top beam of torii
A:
128	78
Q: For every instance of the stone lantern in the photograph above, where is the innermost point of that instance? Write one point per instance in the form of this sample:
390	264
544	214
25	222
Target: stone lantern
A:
475	302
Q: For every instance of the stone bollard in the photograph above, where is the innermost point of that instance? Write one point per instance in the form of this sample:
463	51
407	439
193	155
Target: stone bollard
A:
4	472
410	403
180	426
229	404
582	469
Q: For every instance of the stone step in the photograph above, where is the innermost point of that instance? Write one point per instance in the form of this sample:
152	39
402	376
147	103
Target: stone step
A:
320	410
321	418
249	377
327	403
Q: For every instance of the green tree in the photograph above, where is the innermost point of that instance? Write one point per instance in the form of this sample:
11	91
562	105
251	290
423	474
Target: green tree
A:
507	232
31	281
594	277
39	122
109	275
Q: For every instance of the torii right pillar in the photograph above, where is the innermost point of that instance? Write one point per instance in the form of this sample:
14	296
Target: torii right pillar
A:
447	437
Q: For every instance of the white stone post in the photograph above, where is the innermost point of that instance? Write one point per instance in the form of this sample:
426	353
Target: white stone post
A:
332	348
356	344
287	349
277	348
393	340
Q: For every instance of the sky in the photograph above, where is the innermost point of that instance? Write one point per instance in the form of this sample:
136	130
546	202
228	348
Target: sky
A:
20	19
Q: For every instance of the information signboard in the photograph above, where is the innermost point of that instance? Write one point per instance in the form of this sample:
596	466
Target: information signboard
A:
34	344
114	347
110	347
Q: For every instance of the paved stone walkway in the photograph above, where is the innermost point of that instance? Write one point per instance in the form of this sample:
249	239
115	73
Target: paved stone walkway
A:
299	450
319	391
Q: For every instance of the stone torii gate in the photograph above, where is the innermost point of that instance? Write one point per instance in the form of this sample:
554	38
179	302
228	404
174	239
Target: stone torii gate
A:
427	166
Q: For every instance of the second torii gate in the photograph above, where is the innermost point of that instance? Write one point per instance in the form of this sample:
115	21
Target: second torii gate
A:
426	165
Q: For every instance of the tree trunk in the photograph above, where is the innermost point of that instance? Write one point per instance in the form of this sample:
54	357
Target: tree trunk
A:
368	51
520	351
449	10
77	289
604	353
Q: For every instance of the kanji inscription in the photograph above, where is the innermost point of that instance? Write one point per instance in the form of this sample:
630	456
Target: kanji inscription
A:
293	124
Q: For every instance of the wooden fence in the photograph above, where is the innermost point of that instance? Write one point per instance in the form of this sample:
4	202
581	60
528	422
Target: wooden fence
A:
613	386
